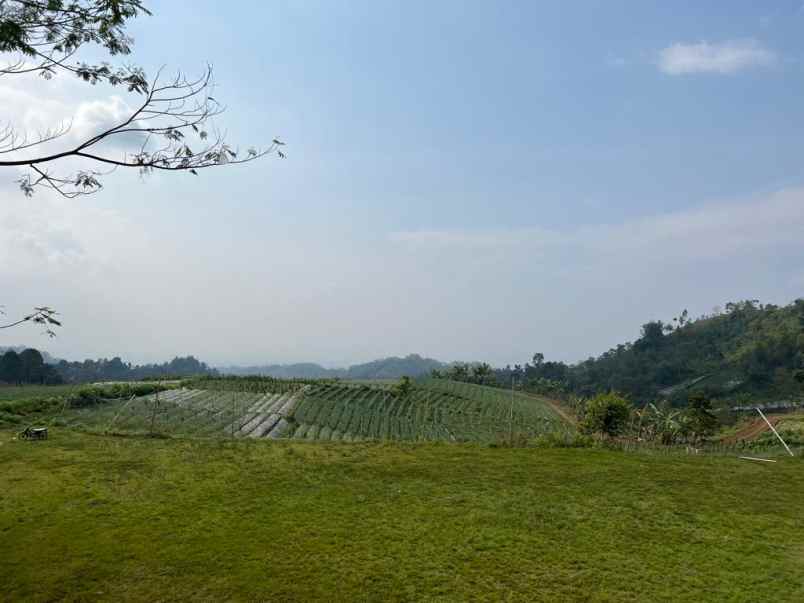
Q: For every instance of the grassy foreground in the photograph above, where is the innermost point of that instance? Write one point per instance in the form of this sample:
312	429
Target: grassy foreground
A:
86	517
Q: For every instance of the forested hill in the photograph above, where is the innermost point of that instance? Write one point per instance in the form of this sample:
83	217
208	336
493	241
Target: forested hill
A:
393	367
749	351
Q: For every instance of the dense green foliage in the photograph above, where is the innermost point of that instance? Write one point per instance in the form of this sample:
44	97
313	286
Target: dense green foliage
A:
99	394
479	373
20	365
26	367
701	421
607	414
749	351
100	518
749	348
104	369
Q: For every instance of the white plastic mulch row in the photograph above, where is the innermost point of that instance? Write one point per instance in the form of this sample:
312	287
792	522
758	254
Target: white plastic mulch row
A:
253	410
278	430
261	413
265	415
273	417
275	423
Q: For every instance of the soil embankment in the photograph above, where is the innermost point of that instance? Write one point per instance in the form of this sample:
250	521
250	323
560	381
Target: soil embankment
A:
752	430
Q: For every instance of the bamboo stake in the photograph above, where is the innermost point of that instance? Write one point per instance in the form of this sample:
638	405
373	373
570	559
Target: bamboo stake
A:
122	408
776	433
751	458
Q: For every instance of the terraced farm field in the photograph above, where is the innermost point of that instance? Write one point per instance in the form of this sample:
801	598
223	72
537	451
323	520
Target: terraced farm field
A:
194	412
433	410
331	411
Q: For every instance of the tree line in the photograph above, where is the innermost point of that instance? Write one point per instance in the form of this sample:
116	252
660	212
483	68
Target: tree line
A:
29	367
746	351
115	369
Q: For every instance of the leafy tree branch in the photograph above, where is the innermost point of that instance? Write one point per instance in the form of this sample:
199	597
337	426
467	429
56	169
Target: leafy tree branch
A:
173	123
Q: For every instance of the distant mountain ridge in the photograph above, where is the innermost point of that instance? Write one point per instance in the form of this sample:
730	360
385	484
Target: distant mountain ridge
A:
392	367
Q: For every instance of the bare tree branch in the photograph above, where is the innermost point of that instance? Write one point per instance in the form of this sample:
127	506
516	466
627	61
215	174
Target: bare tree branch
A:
42	316
174	120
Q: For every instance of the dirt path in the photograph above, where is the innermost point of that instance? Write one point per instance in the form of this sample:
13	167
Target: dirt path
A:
753	430
569	418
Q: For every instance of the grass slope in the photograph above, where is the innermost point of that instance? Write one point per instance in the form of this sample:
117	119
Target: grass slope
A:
86	517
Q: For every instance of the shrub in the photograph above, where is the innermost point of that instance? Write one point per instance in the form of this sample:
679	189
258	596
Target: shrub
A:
97	394
403	388
606	414
702	422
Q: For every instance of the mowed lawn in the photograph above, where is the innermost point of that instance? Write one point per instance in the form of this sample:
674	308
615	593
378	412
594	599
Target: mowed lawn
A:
86	517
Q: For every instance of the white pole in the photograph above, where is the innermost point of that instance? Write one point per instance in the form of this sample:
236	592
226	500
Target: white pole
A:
776	433
511	415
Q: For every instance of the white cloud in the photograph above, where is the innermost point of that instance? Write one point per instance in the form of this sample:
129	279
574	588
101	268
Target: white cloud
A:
149	289
581	290
50	235
713	231
705	57
33	106
464	239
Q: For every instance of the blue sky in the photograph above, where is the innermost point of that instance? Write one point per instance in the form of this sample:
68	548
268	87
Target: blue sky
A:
501	113
460	180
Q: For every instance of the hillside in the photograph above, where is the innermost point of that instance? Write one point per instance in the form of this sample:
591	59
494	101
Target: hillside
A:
749	352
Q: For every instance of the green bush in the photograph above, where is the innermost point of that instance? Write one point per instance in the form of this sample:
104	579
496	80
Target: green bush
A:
606	414
97	394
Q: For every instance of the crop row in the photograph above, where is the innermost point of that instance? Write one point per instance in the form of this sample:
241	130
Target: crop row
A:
197	413
432	410
253	384
336	411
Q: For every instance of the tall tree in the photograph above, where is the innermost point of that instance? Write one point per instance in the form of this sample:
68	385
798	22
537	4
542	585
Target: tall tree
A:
11	367
33	366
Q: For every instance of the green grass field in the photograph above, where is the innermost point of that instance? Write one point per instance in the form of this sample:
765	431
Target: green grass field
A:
88	517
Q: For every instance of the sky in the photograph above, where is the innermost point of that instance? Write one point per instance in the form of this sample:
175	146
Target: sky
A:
464	180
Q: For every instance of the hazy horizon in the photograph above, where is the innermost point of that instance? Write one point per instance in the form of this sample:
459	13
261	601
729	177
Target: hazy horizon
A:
464	182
